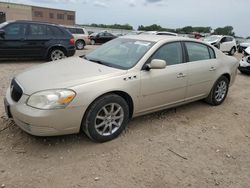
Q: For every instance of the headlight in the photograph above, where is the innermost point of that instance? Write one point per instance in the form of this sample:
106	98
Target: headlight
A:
51	99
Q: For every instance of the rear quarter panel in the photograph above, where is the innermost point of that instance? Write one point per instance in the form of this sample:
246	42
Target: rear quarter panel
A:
226	65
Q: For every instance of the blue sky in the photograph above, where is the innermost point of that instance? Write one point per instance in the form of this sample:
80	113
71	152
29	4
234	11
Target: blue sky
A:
167	13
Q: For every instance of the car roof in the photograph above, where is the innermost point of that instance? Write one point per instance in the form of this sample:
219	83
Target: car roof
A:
29	21
157	38
71	26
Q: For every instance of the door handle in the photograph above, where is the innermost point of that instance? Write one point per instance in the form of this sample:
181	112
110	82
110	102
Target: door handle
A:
181	75
212	69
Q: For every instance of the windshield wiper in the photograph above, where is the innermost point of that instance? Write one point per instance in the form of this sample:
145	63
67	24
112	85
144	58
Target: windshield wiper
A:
98	61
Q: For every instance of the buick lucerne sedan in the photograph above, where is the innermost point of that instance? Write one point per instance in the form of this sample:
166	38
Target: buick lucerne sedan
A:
124	78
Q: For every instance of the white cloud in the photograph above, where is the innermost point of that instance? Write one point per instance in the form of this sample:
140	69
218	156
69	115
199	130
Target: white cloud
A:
101	4
132	3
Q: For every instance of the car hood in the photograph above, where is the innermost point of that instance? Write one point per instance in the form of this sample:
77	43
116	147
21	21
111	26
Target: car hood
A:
64	74
244	44
211	42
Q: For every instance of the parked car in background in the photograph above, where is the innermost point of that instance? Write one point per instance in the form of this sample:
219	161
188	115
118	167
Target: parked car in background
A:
244	66
124	78
81	36
226	44
159	33
101	37
135	33
244	45
25	39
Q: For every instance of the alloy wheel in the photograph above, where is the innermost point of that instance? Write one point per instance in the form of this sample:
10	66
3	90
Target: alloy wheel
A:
221	91
109	119
57	54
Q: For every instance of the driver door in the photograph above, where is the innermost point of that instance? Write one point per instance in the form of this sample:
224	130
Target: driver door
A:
13	43
164	87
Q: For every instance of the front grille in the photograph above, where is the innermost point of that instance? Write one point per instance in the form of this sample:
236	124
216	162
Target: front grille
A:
16	91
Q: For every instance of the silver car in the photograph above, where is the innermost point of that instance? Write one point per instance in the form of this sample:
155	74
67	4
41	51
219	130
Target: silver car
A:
127	77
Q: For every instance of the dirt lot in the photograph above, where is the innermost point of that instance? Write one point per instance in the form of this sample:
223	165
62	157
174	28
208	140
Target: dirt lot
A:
195	145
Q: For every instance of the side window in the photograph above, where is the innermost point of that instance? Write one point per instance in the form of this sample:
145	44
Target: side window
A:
212	53
224	39
56	31
101	34
171	53
15	30
197	51
38	30
79	31
108	34
229	39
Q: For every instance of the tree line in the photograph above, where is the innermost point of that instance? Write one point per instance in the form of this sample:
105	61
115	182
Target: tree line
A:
227	30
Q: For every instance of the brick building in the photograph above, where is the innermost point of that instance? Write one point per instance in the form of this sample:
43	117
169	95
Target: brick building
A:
13	11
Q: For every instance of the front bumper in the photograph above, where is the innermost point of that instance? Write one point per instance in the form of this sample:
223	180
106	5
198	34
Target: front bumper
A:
244	66
44	122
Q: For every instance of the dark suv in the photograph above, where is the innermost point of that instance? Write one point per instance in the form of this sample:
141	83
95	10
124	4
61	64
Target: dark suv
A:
19	39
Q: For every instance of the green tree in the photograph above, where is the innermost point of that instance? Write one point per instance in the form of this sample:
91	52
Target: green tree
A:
227	30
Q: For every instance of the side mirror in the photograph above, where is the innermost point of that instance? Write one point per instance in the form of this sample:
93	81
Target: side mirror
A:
157	64
97	36
2	33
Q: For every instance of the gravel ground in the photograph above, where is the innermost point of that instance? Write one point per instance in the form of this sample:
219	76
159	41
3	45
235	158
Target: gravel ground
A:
195	145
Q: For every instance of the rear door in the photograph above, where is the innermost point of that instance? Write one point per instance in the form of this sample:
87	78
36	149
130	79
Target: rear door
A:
38	39
202	66
14	43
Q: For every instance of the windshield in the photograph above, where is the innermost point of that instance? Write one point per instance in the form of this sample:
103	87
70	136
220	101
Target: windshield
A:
120	53
212	38
3	24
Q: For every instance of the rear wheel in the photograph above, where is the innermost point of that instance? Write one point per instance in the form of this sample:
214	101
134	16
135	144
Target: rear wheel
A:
80	44
219	92
106	118
92	42
56	54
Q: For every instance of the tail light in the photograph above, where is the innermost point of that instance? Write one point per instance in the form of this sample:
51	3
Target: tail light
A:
72	41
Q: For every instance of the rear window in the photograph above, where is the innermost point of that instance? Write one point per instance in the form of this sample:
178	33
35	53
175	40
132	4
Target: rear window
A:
197	51
38	30
56	31
75	30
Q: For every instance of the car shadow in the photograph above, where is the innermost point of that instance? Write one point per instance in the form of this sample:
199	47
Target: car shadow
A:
64	142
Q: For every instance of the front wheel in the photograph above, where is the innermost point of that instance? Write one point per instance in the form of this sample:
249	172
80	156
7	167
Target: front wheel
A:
232	51
106	118
219	91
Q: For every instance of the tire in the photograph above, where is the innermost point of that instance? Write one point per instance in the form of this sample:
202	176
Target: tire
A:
80	44
106	118
219	92
92	42
56	54
232	51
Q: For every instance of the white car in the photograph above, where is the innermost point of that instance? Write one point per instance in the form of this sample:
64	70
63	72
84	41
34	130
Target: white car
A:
244	66
127	77
159	33
225	43
244	45
81	36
